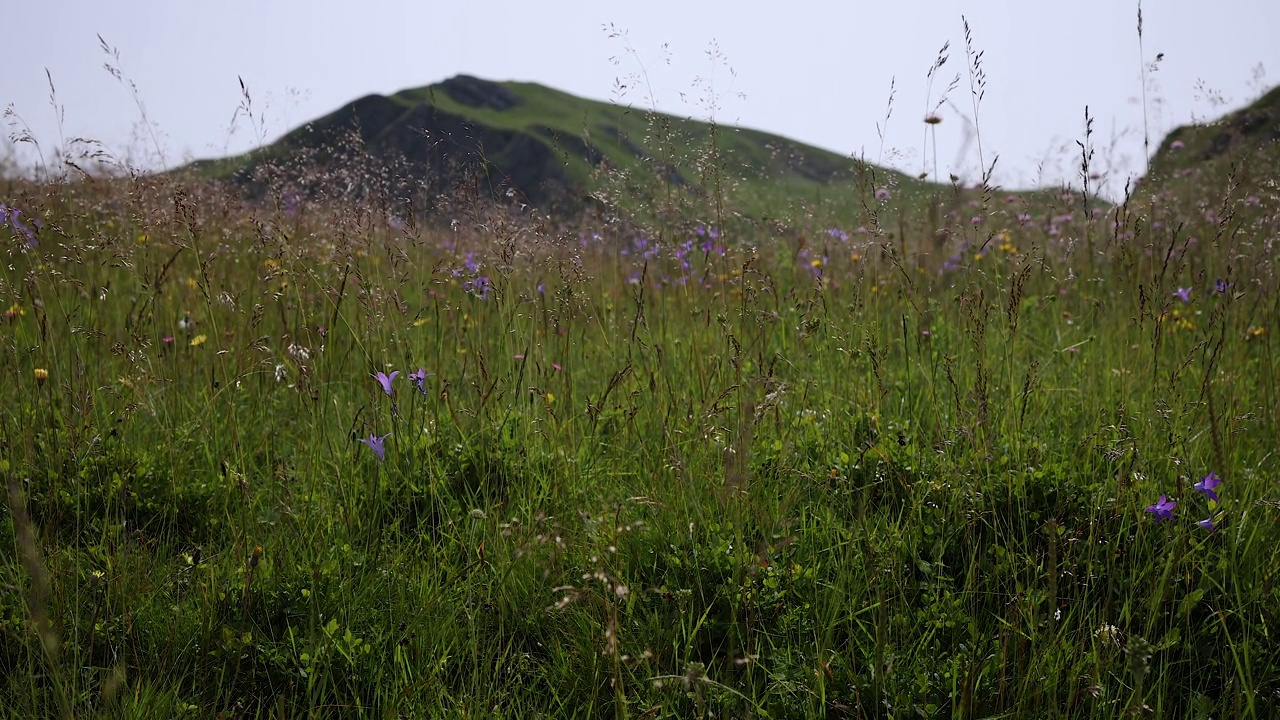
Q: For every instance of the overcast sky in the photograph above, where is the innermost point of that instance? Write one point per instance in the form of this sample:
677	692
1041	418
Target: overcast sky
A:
819	72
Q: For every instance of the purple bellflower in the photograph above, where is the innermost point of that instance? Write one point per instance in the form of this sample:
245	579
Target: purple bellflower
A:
1163	510
420	378
385	379
1207	485
375	444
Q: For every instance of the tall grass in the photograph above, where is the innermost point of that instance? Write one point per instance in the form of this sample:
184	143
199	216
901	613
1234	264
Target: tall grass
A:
685	469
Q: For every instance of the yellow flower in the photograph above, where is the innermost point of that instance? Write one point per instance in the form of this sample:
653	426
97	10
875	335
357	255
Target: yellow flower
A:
816	262
855	257
198	340
15	310
420	322
192	283
41	375
142	238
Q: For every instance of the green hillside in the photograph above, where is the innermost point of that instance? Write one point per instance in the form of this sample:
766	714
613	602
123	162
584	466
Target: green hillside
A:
1241	149
555	150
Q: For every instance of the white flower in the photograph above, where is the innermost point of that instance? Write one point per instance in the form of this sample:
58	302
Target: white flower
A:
1109	634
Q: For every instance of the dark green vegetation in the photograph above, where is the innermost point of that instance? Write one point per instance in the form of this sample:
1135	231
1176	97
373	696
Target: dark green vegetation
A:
865	464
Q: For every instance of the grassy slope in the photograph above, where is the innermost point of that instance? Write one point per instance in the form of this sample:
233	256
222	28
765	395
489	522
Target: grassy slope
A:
1243	147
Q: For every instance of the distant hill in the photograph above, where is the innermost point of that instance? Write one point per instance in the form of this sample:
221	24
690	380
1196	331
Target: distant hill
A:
553	149
1242	148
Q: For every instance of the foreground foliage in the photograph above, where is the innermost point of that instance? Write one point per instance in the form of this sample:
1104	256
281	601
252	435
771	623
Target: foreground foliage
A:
313	460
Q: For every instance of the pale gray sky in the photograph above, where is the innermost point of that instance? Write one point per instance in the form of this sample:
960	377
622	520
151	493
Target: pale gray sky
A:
818	72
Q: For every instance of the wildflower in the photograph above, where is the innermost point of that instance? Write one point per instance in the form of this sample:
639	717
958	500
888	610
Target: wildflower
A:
186	323
1184	294
1177	145
298	352
167	339
198	340
1207	524
883	194
1207	485
41	375
478	286
1163	510
1221	286
375	444
10	216
420	378
385	379
1108	634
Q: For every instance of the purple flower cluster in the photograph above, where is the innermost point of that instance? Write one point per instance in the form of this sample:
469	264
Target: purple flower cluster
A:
387	381
476	284
1163	509
479	286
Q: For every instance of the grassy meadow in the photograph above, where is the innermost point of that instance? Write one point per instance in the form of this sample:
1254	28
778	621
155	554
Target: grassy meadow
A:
307	456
